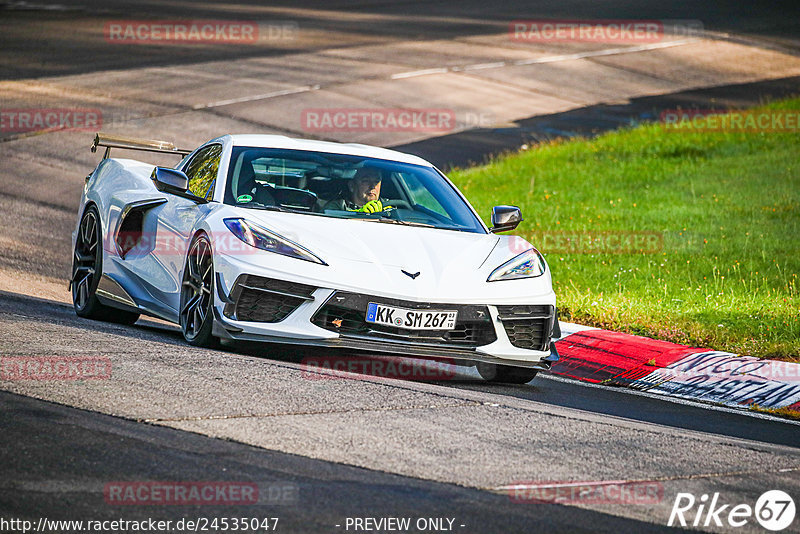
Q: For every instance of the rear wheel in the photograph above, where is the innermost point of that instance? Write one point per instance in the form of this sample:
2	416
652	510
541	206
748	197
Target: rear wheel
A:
505	373
87	268
197	297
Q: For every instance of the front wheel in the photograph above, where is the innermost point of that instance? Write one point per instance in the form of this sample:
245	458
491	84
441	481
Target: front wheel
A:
197	297
506	374
87	268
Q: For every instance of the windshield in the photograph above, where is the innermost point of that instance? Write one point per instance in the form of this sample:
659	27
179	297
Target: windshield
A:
342	186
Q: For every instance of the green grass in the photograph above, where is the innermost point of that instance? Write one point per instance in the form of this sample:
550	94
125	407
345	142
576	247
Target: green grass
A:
727	206
785	413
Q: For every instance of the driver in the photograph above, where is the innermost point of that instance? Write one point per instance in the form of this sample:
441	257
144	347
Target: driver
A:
363	194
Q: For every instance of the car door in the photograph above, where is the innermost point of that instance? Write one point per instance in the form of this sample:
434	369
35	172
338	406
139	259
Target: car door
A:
179	217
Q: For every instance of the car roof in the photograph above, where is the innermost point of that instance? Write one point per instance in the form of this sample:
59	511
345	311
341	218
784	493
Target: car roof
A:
351	149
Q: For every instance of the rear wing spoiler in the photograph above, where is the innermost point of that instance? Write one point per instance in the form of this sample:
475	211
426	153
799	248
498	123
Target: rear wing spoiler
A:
147	145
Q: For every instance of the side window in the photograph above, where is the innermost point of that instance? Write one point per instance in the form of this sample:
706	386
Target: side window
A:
421	196
202	171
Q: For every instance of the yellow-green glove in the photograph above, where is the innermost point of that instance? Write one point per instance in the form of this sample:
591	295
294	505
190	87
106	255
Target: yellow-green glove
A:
373	206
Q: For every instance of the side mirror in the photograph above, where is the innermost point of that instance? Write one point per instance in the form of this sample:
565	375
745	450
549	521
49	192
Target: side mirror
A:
505	218
170	180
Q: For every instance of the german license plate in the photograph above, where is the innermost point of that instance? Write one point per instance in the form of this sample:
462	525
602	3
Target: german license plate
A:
411	319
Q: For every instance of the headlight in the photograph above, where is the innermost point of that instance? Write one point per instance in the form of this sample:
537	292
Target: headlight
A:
529	264
259	237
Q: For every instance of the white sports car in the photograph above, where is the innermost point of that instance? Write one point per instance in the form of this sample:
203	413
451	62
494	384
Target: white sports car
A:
268	238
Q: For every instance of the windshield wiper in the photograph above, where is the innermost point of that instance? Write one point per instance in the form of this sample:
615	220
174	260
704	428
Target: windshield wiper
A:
387	219
272	207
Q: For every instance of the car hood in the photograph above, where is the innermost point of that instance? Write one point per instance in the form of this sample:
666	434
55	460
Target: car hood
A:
411	248
369	257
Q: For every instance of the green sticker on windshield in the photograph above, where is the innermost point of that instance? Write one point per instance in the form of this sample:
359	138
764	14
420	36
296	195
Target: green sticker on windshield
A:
244	198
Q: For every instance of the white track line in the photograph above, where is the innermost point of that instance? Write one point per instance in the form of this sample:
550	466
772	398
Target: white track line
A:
606	52
482	66
283	92
464	68
545	59
414	73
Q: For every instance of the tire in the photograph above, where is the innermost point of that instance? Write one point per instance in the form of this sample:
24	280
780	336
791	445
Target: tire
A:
197	295
87	268
506	374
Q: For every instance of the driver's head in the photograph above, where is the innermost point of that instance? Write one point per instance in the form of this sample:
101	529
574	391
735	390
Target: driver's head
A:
365	186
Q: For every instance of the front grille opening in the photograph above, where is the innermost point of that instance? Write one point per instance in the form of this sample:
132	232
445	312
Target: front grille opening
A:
345	314
266	300
264	307
528	326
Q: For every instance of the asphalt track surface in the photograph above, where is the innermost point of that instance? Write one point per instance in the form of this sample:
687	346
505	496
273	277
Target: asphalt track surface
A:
346	22
359	447
316	496
365	446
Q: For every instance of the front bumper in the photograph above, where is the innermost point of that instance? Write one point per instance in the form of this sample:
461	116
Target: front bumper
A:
257	308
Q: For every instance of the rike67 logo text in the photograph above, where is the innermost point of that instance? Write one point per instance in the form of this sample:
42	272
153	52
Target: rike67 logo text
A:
774	510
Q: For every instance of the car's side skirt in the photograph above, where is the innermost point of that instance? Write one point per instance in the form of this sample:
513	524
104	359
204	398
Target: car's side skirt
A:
111	293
